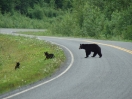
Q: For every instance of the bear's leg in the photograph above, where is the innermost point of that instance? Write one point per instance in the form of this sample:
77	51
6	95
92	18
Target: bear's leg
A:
95	53
87	53
100	55
99	52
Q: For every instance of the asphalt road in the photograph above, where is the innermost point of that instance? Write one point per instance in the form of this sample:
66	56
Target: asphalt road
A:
109	77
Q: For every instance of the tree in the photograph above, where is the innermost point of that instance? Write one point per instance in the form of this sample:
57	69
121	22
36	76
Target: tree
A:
6	5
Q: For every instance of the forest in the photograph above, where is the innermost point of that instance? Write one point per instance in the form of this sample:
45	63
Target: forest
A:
79	18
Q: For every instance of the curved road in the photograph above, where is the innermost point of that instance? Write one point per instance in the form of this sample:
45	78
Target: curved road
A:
109	77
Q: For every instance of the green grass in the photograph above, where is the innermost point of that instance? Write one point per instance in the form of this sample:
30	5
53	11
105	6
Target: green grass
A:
44	33
30	53
48	33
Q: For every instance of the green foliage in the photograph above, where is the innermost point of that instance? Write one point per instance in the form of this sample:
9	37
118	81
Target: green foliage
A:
36	12
128	33
22	6
85	18
65	26
19	21
6	6
92	23
98	18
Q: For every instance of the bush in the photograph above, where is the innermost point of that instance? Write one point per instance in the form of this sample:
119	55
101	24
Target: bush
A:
65	26
36	12
127	33
20	21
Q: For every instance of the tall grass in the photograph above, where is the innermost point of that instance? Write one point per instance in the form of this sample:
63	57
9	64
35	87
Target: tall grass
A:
30	53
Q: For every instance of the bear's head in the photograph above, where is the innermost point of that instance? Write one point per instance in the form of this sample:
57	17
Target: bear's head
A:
81	46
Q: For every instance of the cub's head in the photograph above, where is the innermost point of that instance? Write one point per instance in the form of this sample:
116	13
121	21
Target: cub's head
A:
81	46
17	63
46	53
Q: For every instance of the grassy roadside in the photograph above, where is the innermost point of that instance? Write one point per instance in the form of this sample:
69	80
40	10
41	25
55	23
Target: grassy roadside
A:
48	33
29	52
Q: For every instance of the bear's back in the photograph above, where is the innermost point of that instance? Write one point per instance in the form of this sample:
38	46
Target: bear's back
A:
89	46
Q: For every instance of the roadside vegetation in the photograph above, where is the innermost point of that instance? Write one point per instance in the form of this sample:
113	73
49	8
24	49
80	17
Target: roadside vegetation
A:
49	33
84	18
30	53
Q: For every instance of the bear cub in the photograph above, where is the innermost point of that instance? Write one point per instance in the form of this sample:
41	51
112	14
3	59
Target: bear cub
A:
91	48
17	65
48	56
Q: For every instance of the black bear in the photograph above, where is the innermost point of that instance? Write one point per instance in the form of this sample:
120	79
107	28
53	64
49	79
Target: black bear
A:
17	65
48	56
91	48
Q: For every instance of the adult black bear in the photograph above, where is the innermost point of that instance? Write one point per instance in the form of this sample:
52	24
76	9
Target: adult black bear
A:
91	48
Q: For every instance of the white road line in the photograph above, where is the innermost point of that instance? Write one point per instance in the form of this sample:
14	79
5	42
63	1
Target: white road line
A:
72	60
